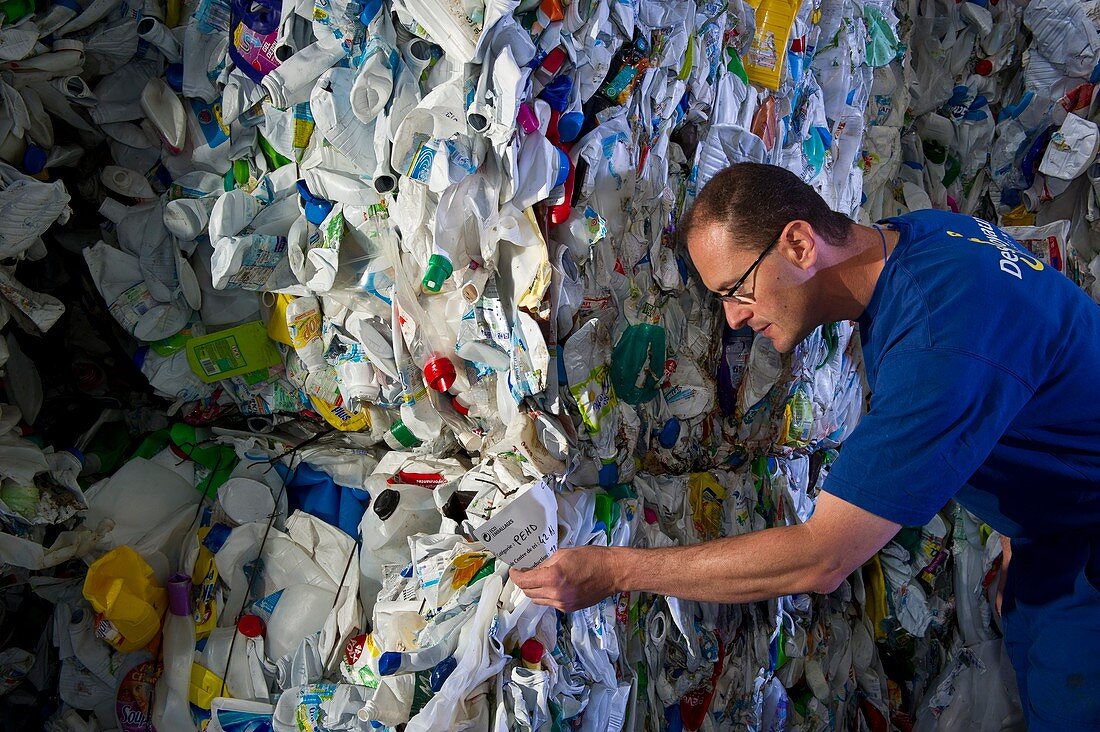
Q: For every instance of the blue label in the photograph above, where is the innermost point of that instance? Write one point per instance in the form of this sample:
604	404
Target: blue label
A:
209	117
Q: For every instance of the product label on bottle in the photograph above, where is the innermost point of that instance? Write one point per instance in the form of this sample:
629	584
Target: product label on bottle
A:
134	703
263	255
762	52
255	51
209	117
419	163
129	307
220	356
108	632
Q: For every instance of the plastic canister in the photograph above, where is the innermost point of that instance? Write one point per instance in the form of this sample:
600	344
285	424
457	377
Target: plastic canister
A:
300	612
399	436
764	61
395	513
231	352
245	678
127	600
206	674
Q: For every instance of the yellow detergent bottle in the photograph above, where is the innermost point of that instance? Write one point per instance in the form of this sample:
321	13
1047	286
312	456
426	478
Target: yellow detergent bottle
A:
276	326
231	352
774	20
129	603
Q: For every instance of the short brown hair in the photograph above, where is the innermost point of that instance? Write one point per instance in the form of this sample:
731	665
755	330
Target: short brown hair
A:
754	202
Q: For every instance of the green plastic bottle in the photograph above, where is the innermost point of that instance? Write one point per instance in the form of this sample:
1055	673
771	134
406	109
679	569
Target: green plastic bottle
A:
217	459
231	352
15	10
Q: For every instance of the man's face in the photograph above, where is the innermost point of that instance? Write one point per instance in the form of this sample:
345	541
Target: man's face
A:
775	298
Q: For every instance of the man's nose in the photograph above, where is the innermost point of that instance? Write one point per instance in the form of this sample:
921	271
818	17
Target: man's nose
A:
737	314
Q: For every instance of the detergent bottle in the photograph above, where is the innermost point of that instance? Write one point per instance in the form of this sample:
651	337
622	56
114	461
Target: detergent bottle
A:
764	61
128	601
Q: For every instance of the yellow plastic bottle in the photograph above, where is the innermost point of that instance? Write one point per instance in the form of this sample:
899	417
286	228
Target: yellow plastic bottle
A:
231	352
276	326
129	603
764	61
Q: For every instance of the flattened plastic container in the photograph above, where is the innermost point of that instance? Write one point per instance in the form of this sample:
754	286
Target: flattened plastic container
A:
232	352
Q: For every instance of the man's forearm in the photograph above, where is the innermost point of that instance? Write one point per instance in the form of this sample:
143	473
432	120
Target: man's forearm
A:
756	566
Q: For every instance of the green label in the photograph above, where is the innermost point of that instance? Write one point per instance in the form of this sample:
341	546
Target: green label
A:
217	357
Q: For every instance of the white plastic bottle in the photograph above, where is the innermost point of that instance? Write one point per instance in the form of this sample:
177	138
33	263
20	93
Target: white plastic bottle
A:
396	512
171	710
246	679
301	611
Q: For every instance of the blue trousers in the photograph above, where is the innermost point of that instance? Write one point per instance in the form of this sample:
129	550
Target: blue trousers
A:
1051	617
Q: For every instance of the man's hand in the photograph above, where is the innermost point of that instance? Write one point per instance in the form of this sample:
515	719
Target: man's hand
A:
572	579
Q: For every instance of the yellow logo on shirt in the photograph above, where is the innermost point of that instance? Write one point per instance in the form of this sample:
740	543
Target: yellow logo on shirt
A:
1011	256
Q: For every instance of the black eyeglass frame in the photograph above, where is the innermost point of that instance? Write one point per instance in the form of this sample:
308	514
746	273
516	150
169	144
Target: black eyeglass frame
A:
729	296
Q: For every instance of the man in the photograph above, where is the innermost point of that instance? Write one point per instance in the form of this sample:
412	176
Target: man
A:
982	365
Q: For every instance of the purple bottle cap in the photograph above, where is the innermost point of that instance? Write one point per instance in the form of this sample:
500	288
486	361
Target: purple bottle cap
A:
527	119
179	594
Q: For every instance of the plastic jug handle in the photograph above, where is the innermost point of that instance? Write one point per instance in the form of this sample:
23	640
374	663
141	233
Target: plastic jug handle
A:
262	16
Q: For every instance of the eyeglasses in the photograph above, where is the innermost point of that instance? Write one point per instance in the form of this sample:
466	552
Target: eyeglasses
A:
748	299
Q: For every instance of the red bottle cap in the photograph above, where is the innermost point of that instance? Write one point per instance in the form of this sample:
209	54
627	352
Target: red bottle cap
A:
531	651
250	626
983	67
460	408
439	372
554	60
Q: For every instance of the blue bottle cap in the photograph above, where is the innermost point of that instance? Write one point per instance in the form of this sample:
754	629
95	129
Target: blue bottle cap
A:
317	208
563	168
174	76
77	454
569	126
670	433
34	159
556	93
441	672
388	663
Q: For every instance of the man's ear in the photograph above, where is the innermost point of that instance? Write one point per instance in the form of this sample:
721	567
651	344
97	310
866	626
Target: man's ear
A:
798	244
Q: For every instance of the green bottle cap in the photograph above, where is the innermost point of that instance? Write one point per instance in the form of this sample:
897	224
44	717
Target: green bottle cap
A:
438	270
403	435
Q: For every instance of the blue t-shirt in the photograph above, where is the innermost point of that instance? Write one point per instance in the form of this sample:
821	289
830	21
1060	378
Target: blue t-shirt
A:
984	368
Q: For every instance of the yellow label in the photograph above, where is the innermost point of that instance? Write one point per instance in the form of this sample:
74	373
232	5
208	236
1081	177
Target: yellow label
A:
276	326
303	130
304	327
339	417
706	496
1018	216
